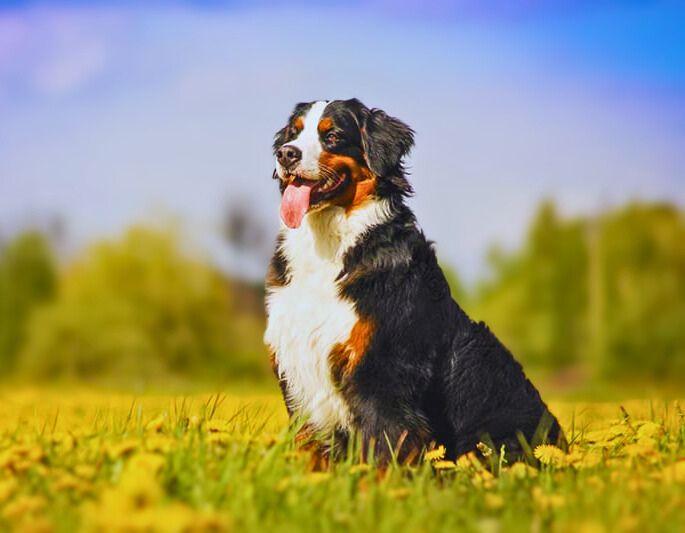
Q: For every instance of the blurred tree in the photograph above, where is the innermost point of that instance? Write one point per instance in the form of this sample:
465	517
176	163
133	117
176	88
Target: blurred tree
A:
556	284
142	308
643	291
27	279
607	292
536	299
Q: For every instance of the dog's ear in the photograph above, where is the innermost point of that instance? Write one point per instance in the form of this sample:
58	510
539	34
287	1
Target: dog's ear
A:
386	140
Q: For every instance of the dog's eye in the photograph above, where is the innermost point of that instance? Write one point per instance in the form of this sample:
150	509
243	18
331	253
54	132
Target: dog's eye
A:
332	138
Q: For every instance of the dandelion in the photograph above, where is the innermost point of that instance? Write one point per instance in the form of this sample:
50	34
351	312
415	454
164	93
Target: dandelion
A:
23	506
220	439
546	501
674	473
217	426
484	449
7	489
494	502
194	422
158	444
468	461
85	471
483	479
68	482
314	478
121	449
581	460
521	471
550	455
444	465
148	463
435	454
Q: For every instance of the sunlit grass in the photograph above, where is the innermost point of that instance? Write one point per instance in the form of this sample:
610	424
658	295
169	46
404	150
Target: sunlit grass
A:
103	461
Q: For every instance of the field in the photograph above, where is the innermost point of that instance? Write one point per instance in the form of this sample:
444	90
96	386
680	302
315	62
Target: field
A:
114	462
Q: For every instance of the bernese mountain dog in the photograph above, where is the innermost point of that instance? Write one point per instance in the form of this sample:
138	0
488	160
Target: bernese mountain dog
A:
364	335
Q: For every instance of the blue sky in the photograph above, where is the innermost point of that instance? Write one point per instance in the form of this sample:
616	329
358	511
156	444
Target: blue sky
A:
115	113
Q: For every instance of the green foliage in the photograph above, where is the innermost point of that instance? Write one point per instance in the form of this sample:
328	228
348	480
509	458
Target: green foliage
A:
641	261
604	294
139	309
27	279
608	292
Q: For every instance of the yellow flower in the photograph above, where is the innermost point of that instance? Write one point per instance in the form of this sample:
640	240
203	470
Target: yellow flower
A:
64	441
67	482
148	463
493	502
643	447
550	455
484	449
484	479
218	426
435	454
595	482
649	430
121	449
546	501
23	506
7	489
85	471
444	465
605	436
159	444
587	459
194	422
314	478
6	460
468	461
522	471
675	473
219	438
30	453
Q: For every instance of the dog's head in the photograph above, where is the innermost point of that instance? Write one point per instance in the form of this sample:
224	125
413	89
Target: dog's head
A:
338	153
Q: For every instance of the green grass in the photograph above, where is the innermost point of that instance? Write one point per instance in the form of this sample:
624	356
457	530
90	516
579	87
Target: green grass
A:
112	462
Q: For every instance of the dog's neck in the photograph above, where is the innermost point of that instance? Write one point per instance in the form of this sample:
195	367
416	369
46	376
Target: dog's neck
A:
326	235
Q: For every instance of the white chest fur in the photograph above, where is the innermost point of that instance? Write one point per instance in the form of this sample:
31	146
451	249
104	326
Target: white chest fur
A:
307	317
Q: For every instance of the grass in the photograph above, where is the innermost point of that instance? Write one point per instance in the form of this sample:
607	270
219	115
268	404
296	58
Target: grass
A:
113	462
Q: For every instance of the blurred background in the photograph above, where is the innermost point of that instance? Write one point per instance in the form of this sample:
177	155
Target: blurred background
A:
137	210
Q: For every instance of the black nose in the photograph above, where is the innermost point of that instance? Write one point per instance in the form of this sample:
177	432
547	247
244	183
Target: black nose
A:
288	155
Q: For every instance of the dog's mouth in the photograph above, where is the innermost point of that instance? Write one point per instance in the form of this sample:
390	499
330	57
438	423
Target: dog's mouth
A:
300	195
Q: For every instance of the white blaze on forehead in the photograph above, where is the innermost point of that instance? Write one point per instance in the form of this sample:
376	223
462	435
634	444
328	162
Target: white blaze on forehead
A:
308	140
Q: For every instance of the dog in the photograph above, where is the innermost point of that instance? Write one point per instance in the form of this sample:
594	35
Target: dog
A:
364	336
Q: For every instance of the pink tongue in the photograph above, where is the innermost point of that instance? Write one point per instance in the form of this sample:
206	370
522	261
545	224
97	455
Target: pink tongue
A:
294	204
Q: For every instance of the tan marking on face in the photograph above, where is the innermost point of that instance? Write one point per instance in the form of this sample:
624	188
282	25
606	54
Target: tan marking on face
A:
325	124
363	190
362	182
298	123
